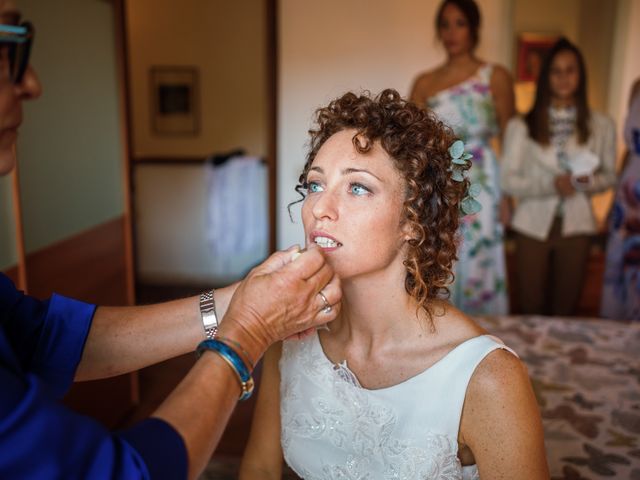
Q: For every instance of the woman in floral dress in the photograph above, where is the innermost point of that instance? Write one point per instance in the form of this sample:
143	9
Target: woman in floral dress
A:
621	289
476	99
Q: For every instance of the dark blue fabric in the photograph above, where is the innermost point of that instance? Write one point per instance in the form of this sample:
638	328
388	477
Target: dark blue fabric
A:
161	446
41	343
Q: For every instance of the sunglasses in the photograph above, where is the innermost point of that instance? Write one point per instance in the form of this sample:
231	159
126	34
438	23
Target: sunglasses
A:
18	40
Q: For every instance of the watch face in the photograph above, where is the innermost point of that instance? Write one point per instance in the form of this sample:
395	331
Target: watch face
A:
208	310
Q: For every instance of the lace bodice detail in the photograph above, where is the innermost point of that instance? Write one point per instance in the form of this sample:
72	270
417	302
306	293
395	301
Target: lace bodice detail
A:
333	429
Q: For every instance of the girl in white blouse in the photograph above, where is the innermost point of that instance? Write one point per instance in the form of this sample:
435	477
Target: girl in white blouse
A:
554	159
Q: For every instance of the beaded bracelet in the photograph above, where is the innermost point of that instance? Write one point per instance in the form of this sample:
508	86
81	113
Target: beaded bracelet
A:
235	362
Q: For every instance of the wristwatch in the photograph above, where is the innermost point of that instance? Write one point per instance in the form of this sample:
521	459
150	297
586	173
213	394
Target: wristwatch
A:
208	312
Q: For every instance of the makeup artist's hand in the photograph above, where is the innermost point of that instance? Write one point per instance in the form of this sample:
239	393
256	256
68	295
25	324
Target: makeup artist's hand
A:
280	298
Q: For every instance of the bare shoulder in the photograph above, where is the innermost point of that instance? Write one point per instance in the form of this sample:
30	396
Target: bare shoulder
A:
499	396
498	373
501	77
425	78
500	403
422	86
455	325
500	72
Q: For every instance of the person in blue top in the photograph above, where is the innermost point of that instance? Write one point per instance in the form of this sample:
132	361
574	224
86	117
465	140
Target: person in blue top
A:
46	345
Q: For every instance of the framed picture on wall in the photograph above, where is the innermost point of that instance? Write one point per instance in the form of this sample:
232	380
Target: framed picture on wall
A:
175	100
532	48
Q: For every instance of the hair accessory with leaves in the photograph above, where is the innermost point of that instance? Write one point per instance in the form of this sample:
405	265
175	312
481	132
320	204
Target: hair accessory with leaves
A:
459	159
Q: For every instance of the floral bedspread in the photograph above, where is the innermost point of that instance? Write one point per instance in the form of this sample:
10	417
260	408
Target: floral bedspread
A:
586	376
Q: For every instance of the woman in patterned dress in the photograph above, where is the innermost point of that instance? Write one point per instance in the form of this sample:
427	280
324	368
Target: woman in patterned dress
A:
402	385
621	289
476	99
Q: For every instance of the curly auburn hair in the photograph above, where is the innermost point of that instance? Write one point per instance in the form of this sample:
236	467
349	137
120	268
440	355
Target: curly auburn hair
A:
418	144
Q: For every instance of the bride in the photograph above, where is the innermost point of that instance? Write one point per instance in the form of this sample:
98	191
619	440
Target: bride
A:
401	385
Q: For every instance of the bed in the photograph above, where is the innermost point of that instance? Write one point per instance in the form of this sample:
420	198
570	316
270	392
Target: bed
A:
586	376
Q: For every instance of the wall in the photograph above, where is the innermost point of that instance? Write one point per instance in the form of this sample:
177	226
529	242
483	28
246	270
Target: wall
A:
597	16
225	41
69	149
625	61
329	47
547	16
171	237
8	252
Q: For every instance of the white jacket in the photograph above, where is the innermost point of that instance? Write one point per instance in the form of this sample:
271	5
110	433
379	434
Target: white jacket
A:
529	170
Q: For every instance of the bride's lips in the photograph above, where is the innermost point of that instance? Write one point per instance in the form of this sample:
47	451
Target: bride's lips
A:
325	241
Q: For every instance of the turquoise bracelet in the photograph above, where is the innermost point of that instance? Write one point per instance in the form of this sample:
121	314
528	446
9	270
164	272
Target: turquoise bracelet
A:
235	362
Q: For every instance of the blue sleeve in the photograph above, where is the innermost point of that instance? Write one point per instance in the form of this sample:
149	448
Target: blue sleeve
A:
40	438
47	337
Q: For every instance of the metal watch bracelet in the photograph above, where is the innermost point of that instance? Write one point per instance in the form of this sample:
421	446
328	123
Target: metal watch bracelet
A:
208	312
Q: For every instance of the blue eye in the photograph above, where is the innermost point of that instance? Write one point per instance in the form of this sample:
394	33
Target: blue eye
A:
314	187
358	189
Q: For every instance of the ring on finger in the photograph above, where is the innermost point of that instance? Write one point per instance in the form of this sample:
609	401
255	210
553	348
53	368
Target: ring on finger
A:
327	306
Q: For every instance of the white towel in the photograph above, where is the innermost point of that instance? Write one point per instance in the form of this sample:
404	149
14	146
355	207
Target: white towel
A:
237	229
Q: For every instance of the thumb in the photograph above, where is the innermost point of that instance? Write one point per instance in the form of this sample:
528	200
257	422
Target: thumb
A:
278	260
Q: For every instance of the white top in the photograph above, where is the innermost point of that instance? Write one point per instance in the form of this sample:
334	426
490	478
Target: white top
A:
332	428
529	170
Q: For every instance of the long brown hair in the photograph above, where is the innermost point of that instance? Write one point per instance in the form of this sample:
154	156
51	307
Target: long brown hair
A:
538	117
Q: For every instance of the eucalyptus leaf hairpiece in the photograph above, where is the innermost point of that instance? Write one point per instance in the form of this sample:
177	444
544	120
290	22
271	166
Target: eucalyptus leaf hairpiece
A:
459	159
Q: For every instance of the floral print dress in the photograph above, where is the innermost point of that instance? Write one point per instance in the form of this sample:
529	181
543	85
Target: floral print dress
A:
480	286
621	288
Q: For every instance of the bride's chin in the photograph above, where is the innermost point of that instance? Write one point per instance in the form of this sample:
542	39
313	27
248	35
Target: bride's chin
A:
339	272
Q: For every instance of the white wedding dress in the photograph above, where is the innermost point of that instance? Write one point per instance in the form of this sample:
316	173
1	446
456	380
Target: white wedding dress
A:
334	429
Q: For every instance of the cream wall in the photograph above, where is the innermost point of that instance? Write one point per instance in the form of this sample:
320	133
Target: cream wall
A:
329	47
597	26
69	148
625	68
547	16
226	41
175	256
8	252
219	38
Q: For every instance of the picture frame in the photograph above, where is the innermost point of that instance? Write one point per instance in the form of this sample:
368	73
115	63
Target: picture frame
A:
175	98
532	48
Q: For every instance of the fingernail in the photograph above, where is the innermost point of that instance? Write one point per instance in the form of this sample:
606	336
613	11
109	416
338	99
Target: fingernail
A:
297	254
